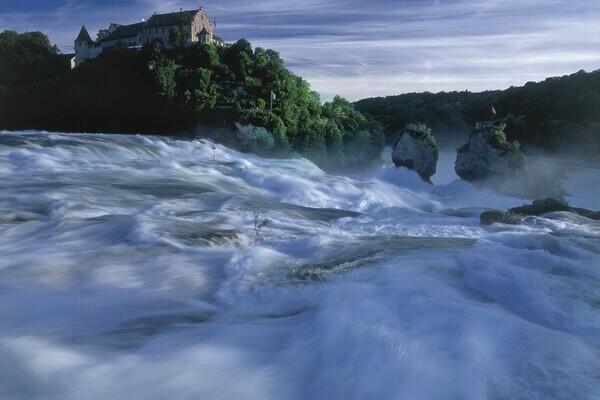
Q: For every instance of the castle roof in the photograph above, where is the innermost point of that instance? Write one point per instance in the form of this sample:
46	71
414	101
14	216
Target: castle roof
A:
84	36
170	19
124	31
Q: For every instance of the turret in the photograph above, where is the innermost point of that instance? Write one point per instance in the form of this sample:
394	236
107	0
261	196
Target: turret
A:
82	46
204	37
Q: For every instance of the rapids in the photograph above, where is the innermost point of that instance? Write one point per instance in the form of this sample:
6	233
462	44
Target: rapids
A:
133	267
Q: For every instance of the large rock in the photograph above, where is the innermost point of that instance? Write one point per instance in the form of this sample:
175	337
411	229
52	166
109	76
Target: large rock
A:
538	207
488	154
254	138
416	149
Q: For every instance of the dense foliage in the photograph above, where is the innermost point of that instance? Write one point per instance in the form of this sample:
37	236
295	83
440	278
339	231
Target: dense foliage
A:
27	63
495	136
27	58
498	139
158	90
557	114
421	131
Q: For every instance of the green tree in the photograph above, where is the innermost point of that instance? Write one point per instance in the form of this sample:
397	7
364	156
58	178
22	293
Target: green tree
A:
164	70
162	90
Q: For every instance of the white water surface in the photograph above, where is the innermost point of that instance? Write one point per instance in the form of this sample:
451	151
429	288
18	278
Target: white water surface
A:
130	268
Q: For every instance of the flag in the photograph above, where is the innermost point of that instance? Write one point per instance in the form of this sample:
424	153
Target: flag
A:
215	23
273	97
493	111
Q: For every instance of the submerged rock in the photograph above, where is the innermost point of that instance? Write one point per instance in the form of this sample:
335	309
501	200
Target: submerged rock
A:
538	207
417	149
488	154
542	206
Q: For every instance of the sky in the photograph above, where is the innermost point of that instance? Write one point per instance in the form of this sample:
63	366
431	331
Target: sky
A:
362	49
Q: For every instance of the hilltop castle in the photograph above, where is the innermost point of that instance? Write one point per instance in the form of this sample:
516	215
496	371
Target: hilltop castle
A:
176	28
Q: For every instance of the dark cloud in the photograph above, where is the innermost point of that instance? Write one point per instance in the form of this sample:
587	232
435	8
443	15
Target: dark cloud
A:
362	49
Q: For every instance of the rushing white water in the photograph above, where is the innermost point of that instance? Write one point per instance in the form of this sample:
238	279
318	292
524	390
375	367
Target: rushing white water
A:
130	268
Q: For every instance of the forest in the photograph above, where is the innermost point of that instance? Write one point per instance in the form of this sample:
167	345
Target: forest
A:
206	90
560	114
202	89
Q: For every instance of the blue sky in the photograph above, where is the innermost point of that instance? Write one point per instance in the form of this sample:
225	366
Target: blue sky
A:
370	48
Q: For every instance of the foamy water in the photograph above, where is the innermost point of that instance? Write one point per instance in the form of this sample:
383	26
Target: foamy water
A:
131	267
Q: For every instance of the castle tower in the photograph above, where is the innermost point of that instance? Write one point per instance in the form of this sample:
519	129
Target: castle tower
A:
82	46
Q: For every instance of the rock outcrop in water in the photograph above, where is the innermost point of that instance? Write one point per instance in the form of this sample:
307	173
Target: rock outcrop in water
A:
417	149
254	138
488	154
538	207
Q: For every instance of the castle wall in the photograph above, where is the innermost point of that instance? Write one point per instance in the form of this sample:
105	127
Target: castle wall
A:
149	35
131	41
86	51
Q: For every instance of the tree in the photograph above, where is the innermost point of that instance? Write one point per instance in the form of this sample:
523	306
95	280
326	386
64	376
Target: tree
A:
163	91
164	70
27	58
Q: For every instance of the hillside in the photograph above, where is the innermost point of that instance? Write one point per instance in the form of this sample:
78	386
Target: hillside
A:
558	114
176	91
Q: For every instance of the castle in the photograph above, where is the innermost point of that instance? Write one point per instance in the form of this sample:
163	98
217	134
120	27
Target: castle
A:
176	28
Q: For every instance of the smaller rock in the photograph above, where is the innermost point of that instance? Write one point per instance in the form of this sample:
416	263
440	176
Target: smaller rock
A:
254	138
538	207
494	216
541	206
417	149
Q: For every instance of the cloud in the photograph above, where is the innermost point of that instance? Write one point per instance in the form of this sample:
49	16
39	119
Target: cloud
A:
361	49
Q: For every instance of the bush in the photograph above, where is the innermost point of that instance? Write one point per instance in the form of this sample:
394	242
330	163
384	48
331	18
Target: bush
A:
497	139
422	132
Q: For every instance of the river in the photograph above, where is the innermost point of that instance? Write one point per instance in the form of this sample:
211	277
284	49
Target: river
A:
137	267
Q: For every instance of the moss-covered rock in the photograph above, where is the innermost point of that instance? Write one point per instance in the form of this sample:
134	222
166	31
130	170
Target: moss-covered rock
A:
254	138
417	149
488	154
